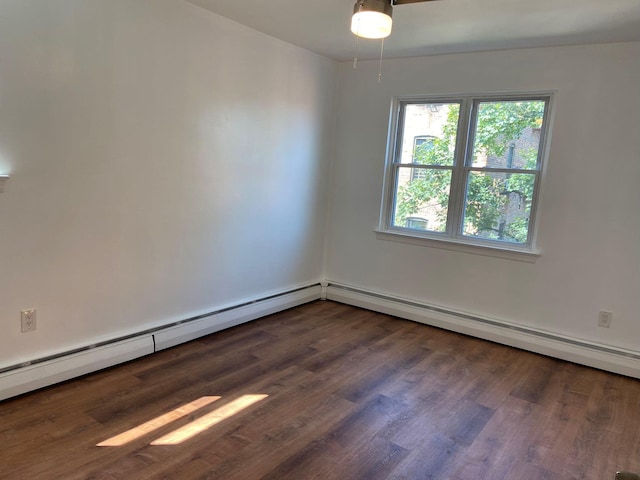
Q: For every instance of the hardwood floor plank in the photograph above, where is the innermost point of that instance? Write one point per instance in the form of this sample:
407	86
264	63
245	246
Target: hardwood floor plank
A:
503	442
533	386
318	458
328	358
292	434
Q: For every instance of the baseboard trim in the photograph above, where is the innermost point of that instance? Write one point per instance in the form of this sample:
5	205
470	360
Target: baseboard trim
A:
604	357
43	372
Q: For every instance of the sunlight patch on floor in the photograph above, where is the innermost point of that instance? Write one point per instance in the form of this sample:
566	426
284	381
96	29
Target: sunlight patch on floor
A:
158	422
189	430
207	421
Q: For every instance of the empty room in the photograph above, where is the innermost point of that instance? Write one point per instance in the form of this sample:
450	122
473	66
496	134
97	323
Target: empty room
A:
336	239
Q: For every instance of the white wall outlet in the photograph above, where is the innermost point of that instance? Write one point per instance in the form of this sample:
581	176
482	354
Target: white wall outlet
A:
604	319
28	320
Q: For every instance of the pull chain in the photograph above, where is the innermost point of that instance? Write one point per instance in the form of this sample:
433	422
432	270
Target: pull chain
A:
380	66
355	60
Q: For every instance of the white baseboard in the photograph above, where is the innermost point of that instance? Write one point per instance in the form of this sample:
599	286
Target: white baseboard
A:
575	350
44	372
39	374
172	336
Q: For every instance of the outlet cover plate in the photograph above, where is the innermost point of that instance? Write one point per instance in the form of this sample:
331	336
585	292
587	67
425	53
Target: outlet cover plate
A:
604	319
28	320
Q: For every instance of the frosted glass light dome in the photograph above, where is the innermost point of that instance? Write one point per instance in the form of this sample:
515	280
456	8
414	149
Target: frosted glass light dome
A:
371	18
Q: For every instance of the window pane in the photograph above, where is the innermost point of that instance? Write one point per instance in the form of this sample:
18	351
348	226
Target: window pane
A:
507	134
422	197
429	133
498	206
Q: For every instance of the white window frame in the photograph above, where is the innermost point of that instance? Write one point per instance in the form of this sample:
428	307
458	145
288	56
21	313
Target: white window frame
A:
453	238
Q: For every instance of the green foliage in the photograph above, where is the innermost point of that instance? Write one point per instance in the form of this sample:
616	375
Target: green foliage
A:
423	190
484	202
518	230
500	123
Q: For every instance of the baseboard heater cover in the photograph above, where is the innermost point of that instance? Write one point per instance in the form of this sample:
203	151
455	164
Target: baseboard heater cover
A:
603	357
28	376
227	318
59	369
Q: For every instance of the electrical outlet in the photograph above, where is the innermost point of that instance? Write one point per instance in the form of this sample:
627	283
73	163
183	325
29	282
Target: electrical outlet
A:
604	319
28	320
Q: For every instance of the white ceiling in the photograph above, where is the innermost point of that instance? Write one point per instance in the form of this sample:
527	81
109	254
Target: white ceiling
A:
445	26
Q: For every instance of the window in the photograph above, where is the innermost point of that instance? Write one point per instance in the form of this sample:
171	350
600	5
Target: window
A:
466	169
417	223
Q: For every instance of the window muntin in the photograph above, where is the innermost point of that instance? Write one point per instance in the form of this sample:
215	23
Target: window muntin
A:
477	178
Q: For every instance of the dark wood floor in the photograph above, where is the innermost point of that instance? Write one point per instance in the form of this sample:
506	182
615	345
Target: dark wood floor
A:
328	391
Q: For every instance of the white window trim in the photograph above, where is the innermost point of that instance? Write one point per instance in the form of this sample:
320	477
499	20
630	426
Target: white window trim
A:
521	252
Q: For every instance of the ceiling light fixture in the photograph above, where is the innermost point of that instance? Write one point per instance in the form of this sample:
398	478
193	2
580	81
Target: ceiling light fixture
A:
372	18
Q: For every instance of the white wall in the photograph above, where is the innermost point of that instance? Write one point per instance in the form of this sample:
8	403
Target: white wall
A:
589	230
164	162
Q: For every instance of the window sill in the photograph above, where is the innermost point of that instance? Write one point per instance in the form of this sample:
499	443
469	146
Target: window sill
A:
497	251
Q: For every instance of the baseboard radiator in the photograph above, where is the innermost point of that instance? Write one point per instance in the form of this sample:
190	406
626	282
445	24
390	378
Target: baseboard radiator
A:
38	373
28	376
575	350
